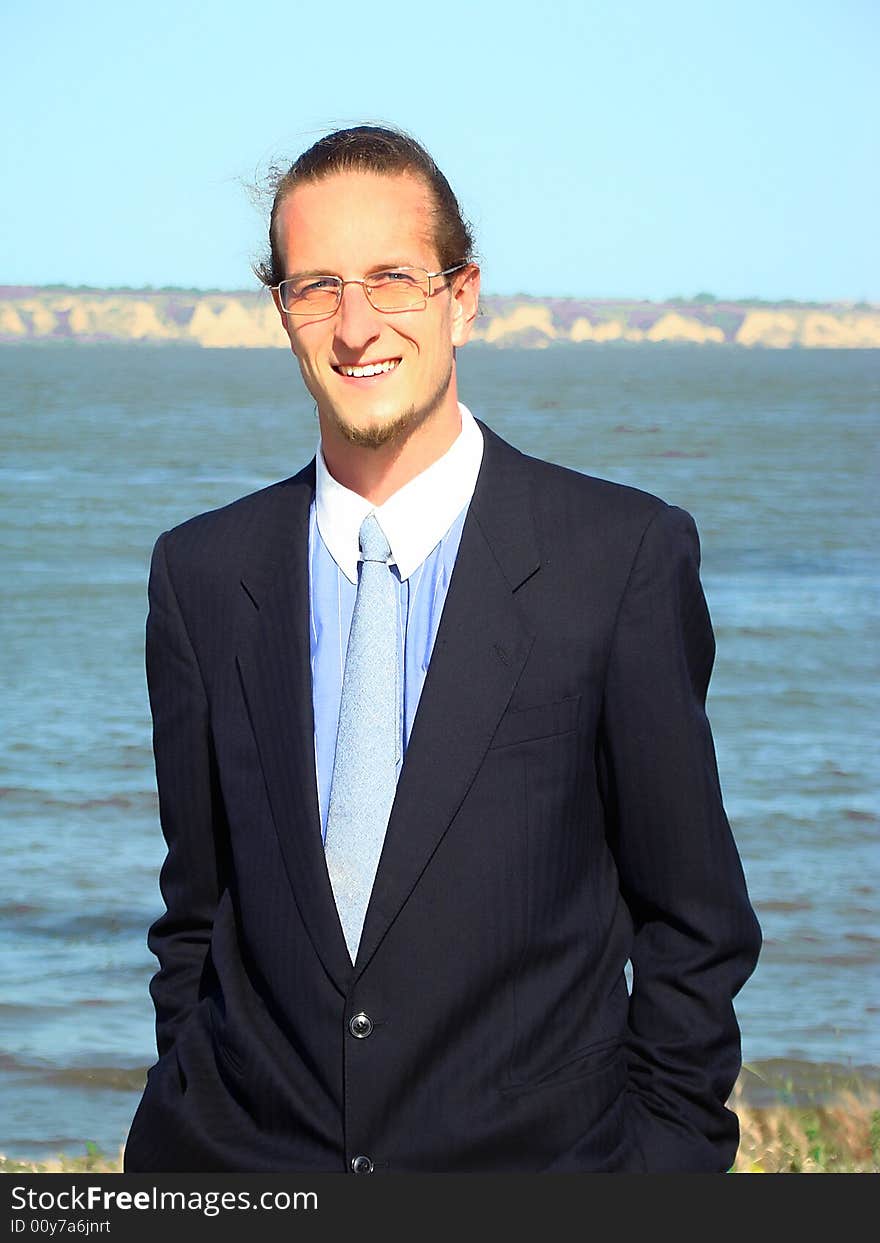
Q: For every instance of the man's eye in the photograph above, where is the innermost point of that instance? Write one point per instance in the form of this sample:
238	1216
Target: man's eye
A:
319	285
395	276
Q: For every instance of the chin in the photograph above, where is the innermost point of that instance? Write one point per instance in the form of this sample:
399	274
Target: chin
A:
382	431
389	425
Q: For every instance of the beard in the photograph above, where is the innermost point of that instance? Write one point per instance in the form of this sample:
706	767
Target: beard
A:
396	427
379	434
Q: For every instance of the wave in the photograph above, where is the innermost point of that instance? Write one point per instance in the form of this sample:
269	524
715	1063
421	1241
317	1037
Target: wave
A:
41	922
134	799
97	1078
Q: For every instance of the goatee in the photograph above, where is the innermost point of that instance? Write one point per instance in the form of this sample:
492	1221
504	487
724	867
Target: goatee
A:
380	434
398	427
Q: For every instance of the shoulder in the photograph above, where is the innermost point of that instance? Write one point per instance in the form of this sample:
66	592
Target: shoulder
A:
249	533
570	506
243	520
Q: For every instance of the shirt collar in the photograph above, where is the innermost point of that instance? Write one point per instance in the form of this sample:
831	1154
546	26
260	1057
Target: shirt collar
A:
415	518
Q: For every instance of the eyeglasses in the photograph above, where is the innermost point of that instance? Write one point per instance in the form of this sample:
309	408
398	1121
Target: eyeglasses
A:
398	289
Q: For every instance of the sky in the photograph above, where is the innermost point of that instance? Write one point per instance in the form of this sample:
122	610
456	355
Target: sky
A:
599	148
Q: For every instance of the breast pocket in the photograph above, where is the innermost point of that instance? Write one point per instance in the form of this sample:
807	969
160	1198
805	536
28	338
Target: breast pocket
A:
541	721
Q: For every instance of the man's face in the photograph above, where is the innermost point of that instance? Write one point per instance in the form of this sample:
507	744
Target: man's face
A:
351	225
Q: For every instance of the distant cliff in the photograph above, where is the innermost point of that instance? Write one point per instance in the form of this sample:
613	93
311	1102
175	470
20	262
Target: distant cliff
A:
222	320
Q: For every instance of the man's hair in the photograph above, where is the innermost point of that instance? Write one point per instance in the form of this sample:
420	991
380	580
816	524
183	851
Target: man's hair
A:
372	149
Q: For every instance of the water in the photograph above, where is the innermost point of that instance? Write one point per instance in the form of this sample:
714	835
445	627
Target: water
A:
104	447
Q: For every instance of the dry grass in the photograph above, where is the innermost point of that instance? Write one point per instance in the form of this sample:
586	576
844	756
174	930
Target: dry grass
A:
837	1138
93	1161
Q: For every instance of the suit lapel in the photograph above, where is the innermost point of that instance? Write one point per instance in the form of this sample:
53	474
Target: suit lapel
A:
274	664
481	648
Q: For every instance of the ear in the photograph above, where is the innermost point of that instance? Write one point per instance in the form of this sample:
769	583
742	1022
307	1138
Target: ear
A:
465	302
285	318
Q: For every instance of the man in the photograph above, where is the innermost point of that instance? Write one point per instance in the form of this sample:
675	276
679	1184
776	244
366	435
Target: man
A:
433	764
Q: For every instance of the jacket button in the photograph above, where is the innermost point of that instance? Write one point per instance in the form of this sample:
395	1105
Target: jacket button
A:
362	1165
360	1026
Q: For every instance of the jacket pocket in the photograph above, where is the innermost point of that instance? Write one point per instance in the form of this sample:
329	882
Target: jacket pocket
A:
540	721
608	1056
222	1047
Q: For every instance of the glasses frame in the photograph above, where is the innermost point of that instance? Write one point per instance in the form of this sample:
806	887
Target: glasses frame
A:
365	282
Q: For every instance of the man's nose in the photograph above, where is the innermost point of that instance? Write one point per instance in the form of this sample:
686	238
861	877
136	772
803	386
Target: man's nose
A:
357	321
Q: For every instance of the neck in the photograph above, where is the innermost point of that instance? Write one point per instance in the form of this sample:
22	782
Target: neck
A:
376	473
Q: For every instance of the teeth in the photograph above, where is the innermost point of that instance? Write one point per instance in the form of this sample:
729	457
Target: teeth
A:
371	369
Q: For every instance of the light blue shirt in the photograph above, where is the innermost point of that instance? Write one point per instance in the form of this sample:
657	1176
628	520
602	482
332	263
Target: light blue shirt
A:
423	522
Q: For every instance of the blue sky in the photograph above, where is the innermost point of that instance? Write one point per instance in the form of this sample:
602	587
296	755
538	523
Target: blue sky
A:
638	149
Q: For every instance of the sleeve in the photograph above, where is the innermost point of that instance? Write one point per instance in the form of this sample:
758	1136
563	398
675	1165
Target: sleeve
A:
189	806
696	938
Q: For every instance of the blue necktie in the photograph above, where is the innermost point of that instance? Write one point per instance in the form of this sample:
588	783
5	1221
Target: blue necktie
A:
367	740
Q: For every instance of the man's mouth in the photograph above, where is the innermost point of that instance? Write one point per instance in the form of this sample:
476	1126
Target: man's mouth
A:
366	369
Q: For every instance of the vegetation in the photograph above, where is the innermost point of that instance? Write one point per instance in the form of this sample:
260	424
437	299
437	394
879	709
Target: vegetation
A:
93	1161
843	1138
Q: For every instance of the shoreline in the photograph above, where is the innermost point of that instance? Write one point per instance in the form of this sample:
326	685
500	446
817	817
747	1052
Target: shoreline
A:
248	319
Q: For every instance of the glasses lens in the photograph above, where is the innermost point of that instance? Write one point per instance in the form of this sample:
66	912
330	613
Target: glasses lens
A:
399	289
310	295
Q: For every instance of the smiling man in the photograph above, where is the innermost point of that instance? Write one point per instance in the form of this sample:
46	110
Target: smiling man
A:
433	764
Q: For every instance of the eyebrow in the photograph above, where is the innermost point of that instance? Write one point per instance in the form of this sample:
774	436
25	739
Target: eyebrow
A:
376	267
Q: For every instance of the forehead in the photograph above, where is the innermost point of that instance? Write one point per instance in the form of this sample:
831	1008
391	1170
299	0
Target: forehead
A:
351	221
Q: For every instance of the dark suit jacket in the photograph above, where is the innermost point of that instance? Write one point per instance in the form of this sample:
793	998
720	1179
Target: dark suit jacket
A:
558	813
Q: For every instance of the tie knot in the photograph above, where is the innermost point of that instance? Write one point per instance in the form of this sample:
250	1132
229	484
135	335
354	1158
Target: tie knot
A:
374	545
